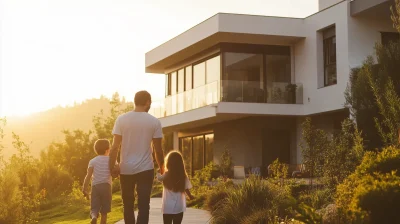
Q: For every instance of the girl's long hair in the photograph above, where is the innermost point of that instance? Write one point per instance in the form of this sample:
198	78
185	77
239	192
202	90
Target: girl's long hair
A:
175	176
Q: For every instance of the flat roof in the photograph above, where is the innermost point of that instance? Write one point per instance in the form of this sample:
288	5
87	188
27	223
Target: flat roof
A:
224	27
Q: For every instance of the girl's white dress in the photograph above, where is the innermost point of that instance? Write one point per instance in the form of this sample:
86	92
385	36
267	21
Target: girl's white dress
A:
173	202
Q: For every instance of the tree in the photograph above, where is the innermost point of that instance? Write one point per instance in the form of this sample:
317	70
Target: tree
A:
104	125
373	93
396	15
343	155
315	142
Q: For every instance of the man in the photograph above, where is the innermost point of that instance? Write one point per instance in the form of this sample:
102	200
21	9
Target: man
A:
134	132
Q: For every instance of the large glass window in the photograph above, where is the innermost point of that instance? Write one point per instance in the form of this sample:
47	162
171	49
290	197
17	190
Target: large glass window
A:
278	71
199	75
181	80
174	105
188	78
168	84
243	78
181	88
198	152
209	148
330	73
173	83
213	69
186	149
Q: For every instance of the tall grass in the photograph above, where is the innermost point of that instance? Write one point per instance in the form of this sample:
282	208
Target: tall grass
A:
254	195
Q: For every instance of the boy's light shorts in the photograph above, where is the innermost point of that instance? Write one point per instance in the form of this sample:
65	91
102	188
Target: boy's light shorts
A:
101	199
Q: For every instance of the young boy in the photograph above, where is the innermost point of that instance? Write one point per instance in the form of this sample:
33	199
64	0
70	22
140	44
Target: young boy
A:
101	184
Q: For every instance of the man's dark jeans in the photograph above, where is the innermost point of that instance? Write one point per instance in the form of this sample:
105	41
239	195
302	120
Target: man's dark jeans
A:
143	182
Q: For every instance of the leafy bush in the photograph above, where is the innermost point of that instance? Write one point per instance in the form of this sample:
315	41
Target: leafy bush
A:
330	214
374	181
226	163
253	195
379	198
218	193
308	215
76	196
201	178
10	197
279	170
317	198
55	180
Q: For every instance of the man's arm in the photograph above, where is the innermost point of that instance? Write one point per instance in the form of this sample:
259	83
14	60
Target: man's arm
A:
159	153
87	180
114	151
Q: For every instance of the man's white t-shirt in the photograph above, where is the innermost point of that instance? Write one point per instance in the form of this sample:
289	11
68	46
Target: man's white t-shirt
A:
173	202
137	130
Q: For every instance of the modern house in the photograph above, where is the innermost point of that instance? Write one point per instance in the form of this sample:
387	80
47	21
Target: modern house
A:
246	83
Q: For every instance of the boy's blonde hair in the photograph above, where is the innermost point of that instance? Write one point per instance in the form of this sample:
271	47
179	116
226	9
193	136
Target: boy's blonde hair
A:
101	146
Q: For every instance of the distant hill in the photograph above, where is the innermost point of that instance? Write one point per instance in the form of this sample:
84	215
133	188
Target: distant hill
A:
40	129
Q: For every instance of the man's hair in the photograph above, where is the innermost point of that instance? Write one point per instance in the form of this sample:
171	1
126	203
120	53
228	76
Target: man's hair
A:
142	97
101	146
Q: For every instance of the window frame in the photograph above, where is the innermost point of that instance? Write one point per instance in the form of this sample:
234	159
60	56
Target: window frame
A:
192	148
329	39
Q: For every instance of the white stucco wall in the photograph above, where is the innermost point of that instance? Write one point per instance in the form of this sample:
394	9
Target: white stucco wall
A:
364	32
309	60
244	138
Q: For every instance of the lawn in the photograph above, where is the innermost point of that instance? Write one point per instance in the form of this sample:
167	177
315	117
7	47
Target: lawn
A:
63	213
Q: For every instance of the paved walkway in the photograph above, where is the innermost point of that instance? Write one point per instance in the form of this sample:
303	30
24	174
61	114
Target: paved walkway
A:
191	216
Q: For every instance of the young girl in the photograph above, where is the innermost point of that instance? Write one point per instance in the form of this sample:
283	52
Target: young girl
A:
176	183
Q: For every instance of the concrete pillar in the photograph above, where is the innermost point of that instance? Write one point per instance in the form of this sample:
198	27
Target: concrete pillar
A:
175	140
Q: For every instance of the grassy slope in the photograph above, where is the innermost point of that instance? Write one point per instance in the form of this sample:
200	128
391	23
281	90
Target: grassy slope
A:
63	214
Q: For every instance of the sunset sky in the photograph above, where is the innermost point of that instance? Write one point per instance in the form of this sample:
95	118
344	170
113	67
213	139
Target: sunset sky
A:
55	52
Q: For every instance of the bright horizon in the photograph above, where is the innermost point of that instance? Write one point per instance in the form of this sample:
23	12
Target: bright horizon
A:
57	52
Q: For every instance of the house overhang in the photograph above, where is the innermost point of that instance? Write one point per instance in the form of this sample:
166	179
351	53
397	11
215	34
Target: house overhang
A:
225	111
224	28
372	8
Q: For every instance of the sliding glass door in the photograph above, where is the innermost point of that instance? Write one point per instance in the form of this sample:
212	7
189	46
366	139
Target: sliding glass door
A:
197	151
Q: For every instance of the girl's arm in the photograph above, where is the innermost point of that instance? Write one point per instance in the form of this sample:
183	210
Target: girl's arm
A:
187	191
87	180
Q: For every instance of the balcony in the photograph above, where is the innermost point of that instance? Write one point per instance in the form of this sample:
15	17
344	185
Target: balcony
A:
228	91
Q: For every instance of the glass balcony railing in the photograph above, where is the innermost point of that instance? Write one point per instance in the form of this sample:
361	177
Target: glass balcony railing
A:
228	91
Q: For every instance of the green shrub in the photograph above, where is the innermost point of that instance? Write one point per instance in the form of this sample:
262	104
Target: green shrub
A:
76	196
370	181
379	197
197	202
55	180
226	163
279	170
253	195
330	214
317	198
308	215
10	197
218	193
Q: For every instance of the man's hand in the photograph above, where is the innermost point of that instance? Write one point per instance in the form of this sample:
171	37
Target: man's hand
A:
159	153
115	172
114	151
